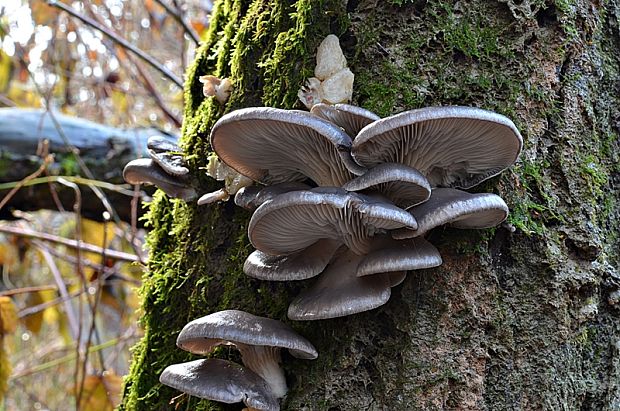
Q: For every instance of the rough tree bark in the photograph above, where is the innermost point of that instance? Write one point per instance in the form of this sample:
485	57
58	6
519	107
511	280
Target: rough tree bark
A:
512	320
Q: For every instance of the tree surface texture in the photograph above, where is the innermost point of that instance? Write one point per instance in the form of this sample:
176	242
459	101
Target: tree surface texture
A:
512	320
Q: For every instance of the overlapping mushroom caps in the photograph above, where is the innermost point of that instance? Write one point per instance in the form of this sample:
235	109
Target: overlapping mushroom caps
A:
402	161
261	382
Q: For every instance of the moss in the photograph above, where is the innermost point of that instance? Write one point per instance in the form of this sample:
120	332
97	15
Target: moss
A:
196	255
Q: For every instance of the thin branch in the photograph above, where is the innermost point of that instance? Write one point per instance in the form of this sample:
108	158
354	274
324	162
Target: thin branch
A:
119	40
178	17
118	188
47	161
27	290
117	255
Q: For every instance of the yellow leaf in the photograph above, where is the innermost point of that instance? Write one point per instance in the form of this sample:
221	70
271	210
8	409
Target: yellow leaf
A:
33	322
5	369
101	392
8	316
6	71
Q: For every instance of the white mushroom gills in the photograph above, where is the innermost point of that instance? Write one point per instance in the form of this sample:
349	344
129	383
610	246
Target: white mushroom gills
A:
265	361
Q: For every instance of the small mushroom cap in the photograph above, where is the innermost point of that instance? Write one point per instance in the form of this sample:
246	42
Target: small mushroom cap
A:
329	58
451	146
339	292
167	155
457	208
391	255
271	145
351	118
253	196
293	221
403	185
233	326
297	266
144	170
220	380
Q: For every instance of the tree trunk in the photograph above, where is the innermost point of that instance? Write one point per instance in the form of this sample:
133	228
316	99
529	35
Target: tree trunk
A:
511	320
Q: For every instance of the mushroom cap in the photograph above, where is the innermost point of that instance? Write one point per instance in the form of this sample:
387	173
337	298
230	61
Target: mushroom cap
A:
391	255
167	155
351	118
451	146
253	196
145	170
403	185
271	145
200	336
220	380
295	220
339	292
297	266
457	208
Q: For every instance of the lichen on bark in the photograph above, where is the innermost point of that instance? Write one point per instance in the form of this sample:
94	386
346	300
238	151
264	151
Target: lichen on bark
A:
523	320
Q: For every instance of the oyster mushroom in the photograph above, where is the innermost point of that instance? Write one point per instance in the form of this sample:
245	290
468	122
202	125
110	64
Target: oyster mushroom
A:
457	208
295	220
271	146
450	146
222	381
258	339
350	118
144	170
167	155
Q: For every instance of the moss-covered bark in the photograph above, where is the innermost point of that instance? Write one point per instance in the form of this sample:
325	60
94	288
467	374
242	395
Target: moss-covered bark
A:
523	320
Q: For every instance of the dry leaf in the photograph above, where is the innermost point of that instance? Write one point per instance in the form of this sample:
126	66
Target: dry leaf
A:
101	392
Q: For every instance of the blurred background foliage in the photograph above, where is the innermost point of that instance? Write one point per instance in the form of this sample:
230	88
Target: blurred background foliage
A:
69	315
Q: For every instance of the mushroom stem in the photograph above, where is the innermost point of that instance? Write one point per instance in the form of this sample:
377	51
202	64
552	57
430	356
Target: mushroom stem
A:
265	361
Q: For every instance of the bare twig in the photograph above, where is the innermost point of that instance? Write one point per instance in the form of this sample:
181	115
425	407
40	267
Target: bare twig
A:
118	255
178	17
27	290
117	188
47	161
119	40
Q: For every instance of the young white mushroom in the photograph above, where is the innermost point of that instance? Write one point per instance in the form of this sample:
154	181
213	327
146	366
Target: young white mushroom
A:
450	146
145	170
258	339
215	87
222	381
350	118
271	146
457	208
333	81
295	220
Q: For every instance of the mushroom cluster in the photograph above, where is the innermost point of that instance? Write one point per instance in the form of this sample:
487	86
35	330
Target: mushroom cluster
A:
260	382
348	196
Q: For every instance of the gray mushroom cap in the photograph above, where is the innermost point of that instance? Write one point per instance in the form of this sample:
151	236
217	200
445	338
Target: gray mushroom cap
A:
350	118
253	196
339	292
457	208
403	185
451	146
293	221
144	170
220	380
272	145
301	265
200	336
167	155
389	255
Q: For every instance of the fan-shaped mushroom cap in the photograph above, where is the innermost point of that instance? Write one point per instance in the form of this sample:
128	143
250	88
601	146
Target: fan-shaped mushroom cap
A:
271	145
403	185
339	292
144	170
200	336
293	221
458	208
167	155
451	146
351	118
221	380
253	196
301	265
390	255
